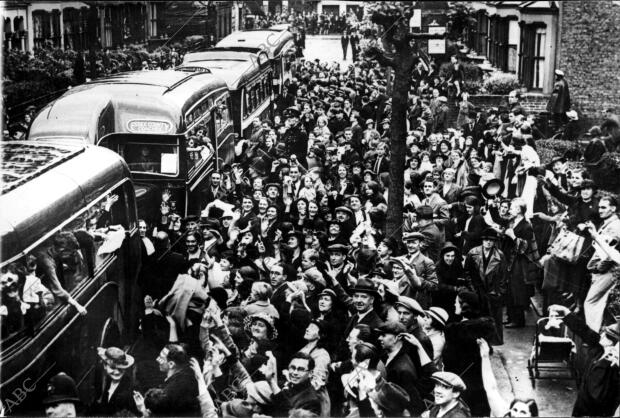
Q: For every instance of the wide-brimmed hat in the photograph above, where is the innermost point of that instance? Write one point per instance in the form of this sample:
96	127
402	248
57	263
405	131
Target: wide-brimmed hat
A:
492	188
61	388
438	314
365	286
115	357
272	332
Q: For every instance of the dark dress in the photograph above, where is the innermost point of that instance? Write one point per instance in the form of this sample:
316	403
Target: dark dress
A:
447	277
462	356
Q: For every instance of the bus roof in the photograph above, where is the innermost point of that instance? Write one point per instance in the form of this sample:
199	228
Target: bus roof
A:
280	27
274	42
234	67
45	184
161	96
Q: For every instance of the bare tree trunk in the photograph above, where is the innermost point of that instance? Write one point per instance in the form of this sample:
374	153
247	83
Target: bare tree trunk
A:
398	148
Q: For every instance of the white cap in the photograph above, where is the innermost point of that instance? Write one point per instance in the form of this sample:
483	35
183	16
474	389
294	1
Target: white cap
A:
559	72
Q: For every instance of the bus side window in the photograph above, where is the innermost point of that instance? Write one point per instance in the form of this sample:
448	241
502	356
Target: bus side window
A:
24	299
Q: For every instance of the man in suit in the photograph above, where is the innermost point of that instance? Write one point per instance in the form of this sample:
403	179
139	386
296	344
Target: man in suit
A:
434	238
364	296
423	267
180	390
214	190
344	41
355	41
382	163
485	267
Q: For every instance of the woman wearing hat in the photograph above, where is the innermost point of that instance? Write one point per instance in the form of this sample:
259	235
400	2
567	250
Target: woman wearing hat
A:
434	326
117	395
450	275
472	226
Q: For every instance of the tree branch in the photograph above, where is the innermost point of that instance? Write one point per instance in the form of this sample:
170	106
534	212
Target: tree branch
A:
375	53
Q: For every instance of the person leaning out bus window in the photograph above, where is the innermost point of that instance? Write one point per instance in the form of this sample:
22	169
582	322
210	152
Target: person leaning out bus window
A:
52	260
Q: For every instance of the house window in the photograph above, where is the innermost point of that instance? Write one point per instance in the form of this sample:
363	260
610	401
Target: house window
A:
539	58
153	21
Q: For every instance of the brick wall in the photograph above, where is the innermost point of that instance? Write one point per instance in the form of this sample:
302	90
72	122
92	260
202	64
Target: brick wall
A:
589	55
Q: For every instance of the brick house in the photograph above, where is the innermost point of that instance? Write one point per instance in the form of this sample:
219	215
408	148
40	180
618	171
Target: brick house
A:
534	38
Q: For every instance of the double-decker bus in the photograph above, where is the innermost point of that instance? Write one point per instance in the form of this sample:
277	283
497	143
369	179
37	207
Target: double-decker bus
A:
68	240
249	78
278	43
172	127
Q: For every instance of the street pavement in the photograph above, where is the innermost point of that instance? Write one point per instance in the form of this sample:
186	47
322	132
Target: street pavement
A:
555	397
326	48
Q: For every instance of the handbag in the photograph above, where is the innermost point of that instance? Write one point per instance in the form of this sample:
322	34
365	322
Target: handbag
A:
567	246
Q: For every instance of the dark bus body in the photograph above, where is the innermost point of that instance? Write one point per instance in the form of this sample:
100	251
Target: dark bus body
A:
172	127
50	189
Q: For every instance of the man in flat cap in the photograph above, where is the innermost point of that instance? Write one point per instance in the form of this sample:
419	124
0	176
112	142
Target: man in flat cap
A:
399	367
447	394
423	266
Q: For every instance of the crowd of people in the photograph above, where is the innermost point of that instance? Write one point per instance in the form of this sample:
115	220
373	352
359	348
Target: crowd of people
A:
324	23
286	296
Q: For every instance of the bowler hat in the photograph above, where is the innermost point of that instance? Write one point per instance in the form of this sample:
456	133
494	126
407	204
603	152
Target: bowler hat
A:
365	286
449	379
492	188
489	234
61	389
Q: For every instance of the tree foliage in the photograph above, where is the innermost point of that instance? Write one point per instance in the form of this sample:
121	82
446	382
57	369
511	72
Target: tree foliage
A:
460	18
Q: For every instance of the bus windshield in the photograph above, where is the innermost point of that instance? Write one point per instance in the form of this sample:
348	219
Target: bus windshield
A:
150	157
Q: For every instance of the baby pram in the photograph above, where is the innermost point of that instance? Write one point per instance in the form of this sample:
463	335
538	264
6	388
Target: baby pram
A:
553	351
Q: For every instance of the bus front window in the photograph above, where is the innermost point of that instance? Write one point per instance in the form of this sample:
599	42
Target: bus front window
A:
151	158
